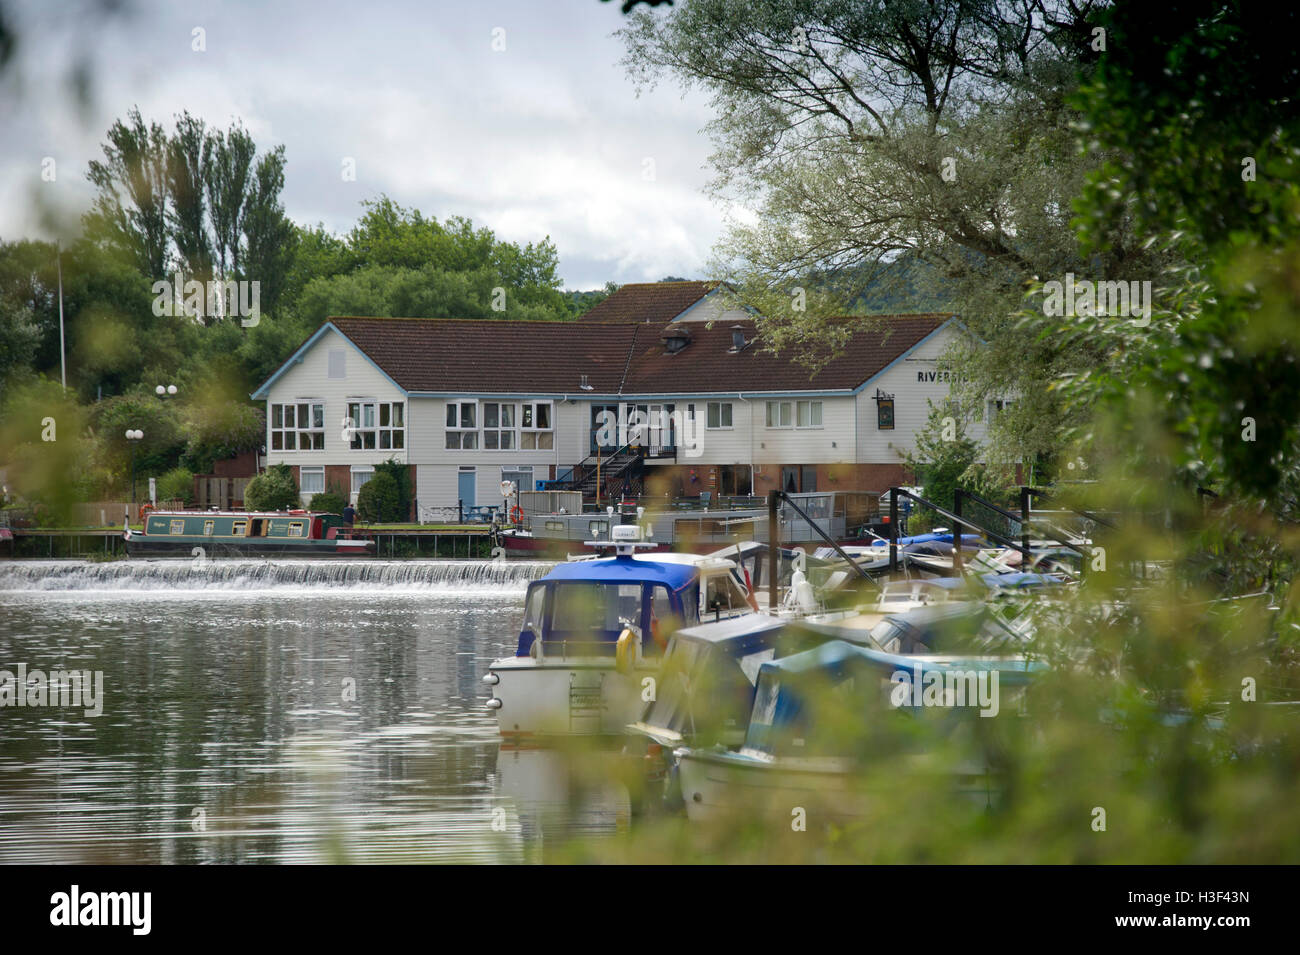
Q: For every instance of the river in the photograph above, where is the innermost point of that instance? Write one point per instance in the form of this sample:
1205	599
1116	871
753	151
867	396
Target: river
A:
265	712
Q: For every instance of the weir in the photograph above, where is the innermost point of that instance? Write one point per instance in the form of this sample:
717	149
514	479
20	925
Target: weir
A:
328	575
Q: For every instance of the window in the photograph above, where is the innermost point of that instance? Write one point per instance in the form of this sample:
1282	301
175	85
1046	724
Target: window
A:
359	478
722	593
996	406
462	425
498	426
555	525
598	529
177	527
298	427
209	527
719	415
295	528
377	424
535	430
237	529
311	480
808	414
338	364
392	426
779	414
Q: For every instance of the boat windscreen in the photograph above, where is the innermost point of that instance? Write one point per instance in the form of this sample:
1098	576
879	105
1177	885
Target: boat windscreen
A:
591	611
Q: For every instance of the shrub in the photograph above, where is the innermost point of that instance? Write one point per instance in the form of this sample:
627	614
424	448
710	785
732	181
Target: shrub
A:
402	475
380	500
273	490
329	502
176	485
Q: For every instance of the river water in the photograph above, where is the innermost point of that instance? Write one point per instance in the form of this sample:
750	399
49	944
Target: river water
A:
266	711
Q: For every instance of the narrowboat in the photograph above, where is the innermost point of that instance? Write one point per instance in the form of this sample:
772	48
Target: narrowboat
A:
594	633
243	534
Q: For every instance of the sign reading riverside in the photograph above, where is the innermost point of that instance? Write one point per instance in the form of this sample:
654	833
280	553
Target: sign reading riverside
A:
59	688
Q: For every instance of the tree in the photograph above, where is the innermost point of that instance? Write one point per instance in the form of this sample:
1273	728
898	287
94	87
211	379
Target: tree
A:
134	191
379	500
862	133
946	458
19	339
272	490
189	163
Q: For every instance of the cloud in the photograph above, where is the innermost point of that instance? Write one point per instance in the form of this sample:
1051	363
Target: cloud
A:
545	137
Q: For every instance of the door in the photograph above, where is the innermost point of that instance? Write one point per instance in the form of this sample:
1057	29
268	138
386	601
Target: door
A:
809	482
465	481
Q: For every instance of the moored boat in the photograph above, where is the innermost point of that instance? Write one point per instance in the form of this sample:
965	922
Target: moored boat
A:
814	713
594	632
243	534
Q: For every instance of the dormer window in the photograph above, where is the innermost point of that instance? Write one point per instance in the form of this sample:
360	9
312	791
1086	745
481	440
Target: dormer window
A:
675	340
737	340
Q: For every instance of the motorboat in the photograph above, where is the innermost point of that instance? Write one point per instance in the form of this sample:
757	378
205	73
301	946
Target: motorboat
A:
594	633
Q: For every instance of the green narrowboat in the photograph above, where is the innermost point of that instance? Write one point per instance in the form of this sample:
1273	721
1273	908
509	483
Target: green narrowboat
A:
243	534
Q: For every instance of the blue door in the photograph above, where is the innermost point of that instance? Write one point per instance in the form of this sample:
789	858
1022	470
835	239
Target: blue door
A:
465	488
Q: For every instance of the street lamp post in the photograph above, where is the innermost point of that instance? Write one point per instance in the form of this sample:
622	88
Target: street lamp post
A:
133	436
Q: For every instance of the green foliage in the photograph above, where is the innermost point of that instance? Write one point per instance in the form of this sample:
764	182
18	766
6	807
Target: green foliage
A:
379	500
51	461
272	490
582	302
176	485
947	458
866	135
220	428
401	474
1204	139
329	502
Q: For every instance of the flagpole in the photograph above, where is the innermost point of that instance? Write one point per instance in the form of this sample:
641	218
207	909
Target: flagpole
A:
63	367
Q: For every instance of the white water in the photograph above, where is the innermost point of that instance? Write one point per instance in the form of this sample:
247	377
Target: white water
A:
335	576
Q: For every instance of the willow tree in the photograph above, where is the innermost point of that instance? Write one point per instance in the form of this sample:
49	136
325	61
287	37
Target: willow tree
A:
932	140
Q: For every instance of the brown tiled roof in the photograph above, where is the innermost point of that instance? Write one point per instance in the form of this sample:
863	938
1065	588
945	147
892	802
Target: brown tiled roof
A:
485	355
650	302
707	366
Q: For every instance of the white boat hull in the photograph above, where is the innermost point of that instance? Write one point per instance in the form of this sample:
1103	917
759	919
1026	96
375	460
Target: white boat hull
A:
572	696
720	788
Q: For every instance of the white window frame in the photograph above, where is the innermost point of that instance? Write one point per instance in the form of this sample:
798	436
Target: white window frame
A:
311	432
317	471
359	470
812	404
720	426
499	430
383	437
543	439
788	406
459	429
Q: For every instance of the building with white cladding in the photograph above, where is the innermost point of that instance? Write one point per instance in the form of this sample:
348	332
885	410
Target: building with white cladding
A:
470	403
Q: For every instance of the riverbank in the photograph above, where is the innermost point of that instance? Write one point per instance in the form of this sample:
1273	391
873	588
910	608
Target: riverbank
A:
451	541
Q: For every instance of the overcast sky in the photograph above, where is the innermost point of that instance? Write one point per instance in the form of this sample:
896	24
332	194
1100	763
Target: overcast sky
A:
544	138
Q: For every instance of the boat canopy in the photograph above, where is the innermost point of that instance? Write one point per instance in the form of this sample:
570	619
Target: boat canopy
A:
706	690
789	688
626	570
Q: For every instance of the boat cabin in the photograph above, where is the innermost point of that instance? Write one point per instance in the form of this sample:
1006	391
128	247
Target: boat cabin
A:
581	607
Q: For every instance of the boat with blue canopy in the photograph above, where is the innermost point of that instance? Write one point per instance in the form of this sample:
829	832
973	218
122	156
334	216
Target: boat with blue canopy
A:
821	716
595	630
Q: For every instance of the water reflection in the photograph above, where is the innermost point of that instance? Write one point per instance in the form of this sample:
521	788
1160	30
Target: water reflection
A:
277	725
